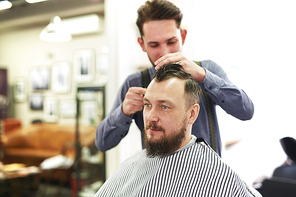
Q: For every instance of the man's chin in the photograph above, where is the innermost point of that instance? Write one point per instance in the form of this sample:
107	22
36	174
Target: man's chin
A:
154	141
151	61
155	137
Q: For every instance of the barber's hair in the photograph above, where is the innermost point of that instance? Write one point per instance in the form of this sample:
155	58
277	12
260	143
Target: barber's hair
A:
158	10
173	70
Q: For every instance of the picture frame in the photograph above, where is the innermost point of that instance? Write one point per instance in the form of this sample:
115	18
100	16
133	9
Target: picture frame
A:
36	101
67	108
89	112
20	89
61	77
84	65
91	104
40	78
50	111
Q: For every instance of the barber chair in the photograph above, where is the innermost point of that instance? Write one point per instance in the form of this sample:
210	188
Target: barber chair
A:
283	180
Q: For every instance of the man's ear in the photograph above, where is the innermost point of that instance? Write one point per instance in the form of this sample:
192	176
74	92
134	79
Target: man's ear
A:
194	111
141	43
183	35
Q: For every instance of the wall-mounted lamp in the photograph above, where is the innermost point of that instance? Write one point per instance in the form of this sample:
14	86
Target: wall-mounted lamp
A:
54	32
5	5
34	1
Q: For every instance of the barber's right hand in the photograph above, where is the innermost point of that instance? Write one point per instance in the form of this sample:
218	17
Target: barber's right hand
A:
133	100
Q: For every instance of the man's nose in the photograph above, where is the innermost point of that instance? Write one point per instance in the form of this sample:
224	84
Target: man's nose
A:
152	115
164	50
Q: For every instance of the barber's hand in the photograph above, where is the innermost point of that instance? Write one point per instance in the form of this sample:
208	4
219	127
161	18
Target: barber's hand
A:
197	72
133	100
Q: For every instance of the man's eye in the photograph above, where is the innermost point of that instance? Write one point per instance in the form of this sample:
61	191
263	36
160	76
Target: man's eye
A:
154	45
147	105
173	41
165	107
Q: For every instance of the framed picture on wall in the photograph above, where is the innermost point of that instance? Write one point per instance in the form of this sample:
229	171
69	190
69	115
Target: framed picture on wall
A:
84	65
50	110
61	77
36	101
91	105
20	89
89	112
68	108
40	78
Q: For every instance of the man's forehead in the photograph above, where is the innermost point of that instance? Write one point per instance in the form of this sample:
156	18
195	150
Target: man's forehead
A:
160	100
167	90
151	26
159	22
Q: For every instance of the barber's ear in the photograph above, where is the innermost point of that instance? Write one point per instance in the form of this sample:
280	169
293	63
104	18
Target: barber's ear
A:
141	43
183	35
193	113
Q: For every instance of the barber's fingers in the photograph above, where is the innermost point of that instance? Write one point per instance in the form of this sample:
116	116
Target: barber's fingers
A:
137	90
169	58
133	101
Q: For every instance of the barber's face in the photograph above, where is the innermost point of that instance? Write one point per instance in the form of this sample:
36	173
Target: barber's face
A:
166	118
160	38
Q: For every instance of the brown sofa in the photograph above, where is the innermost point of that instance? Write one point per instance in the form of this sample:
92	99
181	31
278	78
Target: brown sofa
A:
32	144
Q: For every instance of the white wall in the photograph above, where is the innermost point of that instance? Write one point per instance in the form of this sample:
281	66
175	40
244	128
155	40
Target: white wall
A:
254	41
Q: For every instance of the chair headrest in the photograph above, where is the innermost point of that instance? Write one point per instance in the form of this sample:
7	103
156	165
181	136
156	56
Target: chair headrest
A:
289	146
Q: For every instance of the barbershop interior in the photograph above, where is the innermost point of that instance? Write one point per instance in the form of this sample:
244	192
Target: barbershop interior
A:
62	63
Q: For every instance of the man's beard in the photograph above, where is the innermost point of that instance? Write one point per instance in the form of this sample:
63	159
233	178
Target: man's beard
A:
167	144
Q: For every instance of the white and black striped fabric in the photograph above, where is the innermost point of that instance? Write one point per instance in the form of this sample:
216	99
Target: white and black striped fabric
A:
194	170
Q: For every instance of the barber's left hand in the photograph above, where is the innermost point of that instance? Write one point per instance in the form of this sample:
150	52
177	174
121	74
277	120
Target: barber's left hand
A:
197	72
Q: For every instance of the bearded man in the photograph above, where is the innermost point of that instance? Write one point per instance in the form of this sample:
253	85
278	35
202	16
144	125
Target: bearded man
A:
175	162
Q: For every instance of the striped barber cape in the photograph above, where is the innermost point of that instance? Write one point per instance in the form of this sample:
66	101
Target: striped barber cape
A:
194	170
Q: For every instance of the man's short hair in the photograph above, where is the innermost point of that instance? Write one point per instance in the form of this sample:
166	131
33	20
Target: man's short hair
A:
173	70
158	10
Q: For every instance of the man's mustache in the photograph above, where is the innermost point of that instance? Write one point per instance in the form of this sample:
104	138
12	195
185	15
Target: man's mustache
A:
154	127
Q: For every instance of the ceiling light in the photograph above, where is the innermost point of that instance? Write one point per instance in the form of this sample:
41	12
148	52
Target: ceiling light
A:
34	1
54	32
86	24
5	5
